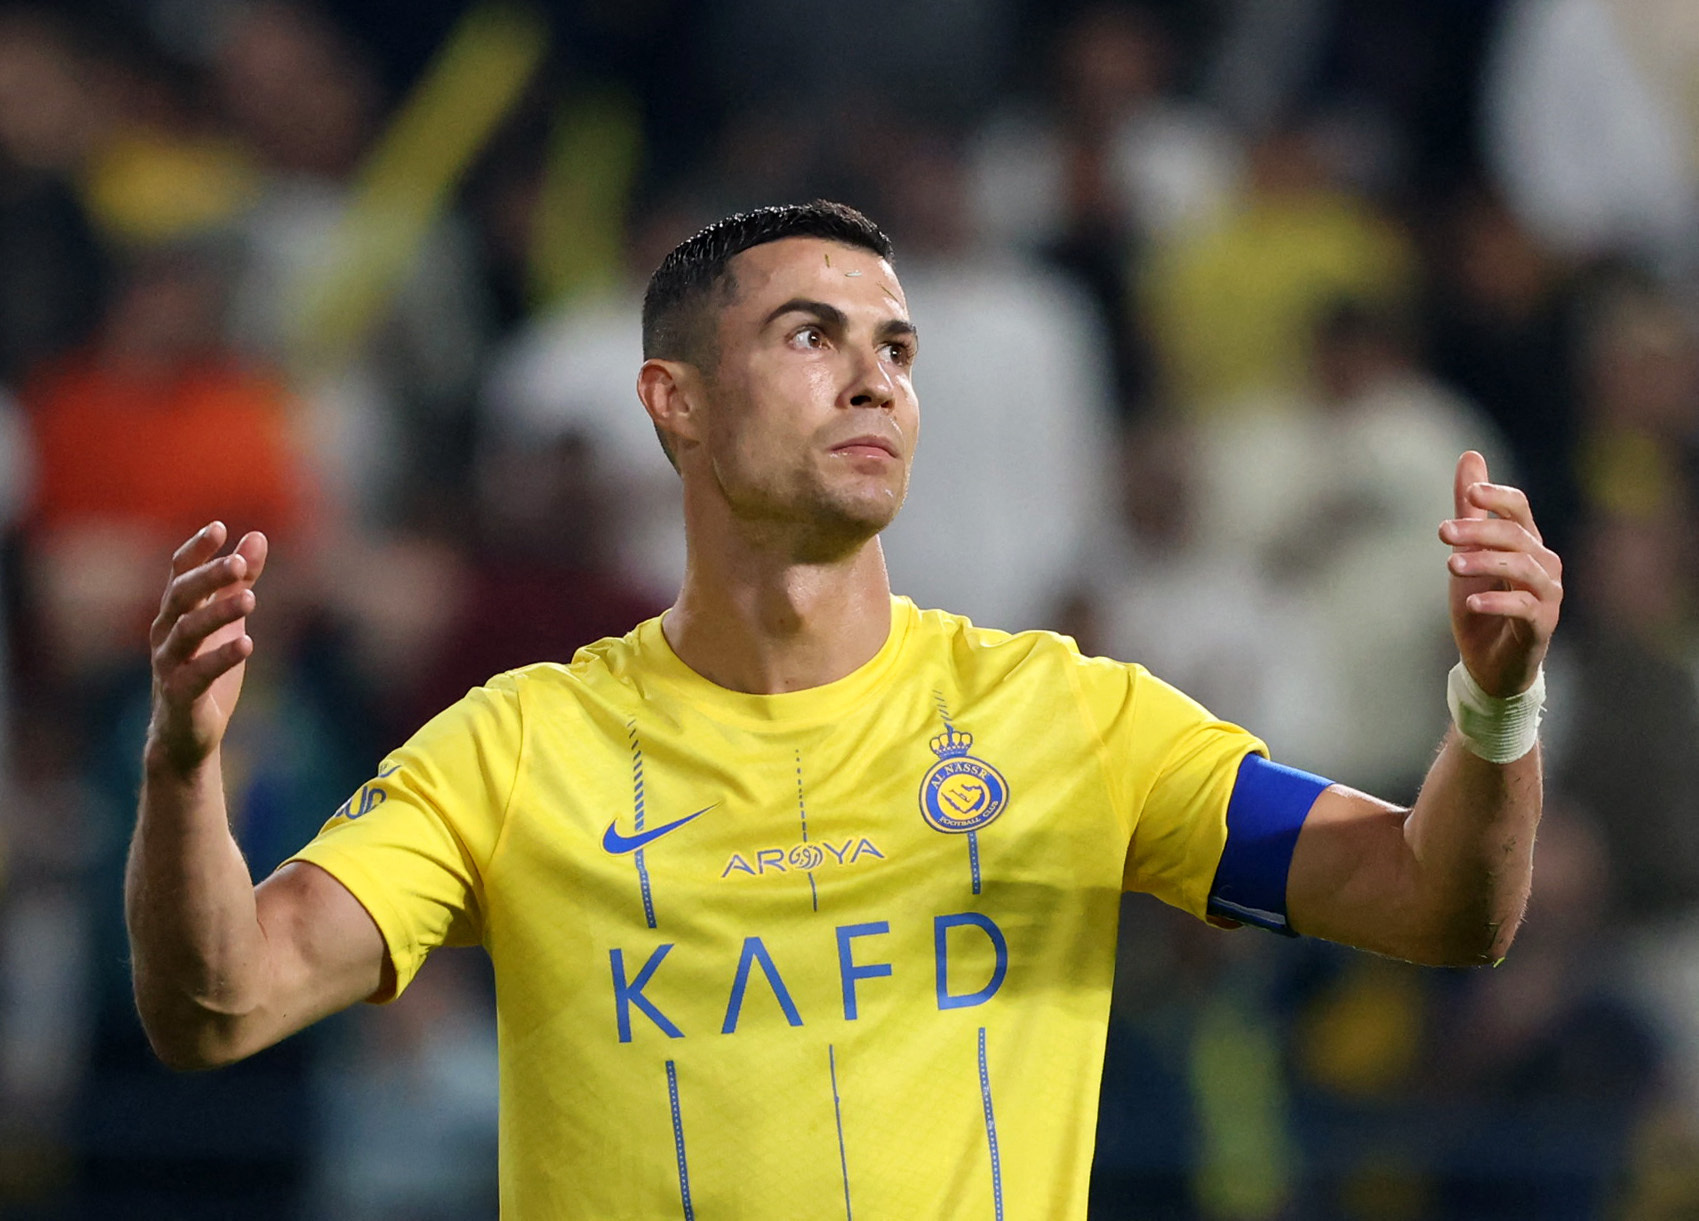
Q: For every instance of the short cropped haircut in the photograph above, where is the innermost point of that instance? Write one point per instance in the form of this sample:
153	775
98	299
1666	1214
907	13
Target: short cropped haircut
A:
678	318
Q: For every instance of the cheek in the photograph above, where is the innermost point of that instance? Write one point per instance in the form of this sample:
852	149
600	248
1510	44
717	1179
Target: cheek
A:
908	412
752	434
792	401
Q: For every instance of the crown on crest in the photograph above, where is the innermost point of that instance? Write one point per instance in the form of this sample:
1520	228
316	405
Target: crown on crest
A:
950	743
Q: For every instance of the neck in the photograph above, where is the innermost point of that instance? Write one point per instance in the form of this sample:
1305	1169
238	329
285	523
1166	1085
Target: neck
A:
752	618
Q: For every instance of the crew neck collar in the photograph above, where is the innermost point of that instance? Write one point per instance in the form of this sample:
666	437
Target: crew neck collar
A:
810	705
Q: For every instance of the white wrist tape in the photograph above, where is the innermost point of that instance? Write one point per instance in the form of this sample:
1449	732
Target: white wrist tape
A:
1499	730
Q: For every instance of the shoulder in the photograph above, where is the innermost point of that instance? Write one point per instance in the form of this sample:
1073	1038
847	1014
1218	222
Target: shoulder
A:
998	654
1107	688
595	669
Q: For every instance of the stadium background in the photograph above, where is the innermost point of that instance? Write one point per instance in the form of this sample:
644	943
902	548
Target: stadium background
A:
1212	295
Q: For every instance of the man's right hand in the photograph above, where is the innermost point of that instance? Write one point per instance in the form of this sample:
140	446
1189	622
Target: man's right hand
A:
223	968
201	646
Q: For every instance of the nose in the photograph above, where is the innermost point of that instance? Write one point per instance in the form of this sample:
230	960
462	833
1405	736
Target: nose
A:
872	385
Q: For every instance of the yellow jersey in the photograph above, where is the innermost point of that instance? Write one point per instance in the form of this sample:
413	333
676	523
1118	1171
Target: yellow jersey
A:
840	952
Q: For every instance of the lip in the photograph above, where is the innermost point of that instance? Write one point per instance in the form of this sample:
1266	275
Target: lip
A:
866	446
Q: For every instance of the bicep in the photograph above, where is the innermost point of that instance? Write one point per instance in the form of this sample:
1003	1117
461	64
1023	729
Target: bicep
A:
1352	874
324	948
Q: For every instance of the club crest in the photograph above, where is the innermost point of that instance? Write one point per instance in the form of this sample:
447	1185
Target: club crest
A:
959	792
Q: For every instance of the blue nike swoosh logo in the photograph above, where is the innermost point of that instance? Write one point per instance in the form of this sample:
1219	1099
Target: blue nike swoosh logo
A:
614	842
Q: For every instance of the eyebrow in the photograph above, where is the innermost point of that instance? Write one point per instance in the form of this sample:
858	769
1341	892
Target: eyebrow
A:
831	315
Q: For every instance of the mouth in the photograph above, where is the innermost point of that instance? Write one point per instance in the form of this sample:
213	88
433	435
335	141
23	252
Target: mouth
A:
869	446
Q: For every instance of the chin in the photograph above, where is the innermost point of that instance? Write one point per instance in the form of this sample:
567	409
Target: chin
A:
839	525
871	510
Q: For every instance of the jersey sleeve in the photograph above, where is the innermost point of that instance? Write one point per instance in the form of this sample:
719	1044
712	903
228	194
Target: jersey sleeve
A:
413	844
1212	822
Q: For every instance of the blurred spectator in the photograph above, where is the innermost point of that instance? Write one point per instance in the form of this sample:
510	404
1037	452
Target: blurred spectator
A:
144	436
943	60
55	272
1196	1120
1015	392
1337	493
48	840
1231	306
1621	750
1591	126
1500	317
1397	81
410	1106
1109	163
1629	653
1639	446
391	408
1215	623
1553	1023
1630	710
102	111
164	170
571	377
542	577
1552	1045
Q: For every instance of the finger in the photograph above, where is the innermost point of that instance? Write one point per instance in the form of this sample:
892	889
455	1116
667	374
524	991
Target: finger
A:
1504	500
192	589
191	681
1508	603
1498	533
1471	469
204	544
253	548
193	629
1516	567
198	584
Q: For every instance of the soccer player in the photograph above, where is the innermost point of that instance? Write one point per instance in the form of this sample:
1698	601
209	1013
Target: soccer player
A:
801	899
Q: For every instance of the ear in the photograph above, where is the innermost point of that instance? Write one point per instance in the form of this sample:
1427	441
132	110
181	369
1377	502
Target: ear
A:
671	392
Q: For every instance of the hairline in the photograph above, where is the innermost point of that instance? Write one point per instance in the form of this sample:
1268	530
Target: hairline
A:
726	287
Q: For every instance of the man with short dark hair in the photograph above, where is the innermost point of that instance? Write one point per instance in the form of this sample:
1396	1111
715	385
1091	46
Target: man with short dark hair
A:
802	900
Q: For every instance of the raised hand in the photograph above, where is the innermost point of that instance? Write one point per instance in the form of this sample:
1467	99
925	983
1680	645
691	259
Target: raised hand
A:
200	644
1506	584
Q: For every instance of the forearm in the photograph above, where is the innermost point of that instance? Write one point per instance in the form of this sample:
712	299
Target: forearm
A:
1446	882
1471	843
198	950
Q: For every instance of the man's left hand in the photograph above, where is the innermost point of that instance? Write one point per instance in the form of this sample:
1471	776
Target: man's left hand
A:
1506	584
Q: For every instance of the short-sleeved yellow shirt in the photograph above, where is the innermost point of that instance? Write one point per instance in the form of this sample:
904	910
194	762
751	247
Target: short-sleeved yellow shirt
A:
841	952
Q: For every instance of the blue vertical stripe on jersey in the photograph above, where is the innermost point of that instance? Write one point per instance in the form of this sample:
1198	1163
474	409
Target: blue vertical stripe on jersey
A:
1264	815
838	1114
990	1129
972	836
637	811
802	812
678	1143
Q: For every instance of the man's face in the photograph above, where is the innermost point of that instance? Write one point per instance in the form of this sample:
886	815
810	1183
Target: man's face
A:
813	418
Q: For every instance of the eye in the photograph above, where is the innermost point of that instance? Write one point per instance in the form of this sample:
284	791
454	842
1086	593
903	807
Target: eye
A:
810	337
899	352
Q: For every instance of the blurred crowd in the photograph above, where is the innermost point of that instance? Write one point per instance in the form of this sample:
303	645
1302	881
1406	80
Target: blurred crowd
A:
1212	296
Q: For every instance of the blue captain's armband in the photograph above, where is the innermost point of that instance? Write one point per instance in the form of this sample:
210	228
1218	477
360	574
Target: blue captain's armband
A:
1267	809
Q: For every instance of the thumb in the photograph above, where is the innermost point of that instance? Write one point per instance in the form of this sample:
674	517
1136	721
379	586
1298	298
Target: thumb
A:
1471	469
